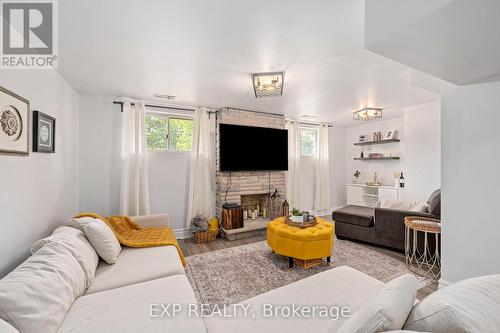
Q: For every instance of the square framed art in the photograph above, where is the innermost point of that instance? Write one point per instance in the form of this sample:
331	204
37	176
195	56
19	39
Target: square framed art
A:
14	123
44	133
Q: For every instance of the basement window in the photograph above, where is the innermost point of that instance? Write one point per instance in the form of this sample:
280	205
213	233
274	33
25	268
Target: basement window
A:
308	141
166	132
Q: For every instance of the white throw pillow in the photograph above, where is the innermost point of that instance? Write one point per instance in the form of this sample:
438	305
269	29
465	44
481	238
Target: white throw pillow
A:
79	222
103	240
387	311
36	295
396	204
5	327
467	306
421	207
77	243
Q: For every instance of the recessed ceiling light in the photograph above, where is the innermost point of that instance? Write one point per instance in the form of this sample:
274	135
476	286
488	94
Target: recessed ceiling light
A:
268	84
163	96
367	114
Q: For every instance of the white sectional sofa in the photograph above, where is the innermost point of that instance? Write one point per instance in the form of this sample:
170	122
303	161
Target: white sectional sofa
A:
49	293
119	298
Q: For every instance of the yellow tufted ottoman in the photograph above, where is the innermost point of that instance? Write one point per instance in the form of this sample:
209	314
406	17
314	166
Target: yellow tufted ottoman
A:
301	243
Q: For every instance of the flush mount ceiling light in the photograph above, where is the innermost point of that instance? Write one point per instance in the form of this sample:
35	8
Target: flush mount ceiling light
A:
367	114
268	84
163	96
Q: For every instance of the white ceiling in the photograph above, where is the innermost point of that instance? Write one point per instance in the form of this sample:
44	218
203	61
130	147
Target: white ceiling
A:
456	40
203	51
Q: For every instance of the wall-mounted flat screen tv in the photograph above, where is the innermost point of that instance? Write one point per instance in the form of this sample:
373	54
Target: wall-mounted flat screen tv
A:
246	148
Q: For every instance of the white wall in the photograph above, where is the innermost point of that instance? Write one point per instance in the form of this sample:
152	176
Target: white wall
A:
422	150
38	191
99	138
471	182
100	131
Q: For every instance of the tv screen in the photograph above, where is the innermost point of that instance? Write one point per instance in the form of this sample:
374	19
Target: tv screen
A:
245	148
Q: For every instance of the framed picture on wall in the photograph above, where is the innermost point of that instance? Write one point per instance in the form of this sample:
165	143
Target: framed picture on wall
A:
14	123
44	133
390	134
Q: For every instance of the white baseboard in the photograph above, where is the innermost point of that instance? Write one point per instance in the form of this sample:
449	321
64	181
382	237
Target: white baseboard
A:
443	283
183	233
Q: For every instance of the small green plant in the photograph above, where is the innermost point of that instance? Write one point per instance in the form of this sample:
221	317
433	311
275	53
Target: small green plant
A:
296	212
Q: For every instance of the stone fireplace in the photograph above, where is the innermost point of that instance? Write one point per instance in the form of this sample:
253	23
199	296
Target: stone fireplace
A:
248	188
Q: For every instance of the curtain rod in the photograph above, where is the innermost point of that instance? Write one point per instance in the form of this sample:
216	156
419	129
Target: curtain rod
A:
261	112
304	123
158	106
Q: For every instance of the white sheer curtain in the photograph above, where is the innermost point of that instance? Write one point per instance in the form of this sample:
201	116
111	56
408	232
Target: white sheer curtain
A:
201	199
322	195
134	192
293	190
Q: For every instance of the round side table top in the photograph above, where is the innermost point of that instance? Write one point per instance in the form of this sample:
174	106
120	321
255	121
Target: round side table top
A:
424	224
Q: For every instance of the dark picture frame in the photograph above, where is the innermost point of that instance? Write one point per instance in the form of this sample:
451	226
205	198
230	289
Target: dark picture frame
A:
14	123
44	133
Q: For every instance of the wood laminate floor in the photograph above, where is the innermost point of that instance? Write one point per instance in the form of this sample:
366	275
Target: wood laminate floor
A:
190	247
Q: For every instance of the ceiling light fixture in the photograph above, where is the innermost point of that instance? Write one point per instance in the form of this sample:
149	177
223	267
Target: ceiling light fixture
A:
367	114
163	96
268	84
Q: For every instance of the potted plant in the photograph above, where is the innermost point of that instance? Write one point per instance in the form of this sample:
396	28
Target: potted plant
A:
296	215
356	176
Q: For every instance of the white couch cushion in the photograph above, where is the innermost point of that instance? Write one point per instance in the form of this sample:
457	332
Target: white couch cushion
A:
396	204
136	265
79	223
128	309
338	287
467	306
5	327
103	240
36	295
77	243
387	311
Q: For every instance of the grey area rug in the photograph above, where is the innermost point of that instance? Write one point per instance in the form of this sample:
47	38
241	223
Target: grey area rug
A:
235	274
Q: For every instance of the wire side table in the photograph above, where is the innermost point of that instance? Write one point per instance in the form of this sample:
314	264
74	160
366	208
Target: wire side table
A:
425	262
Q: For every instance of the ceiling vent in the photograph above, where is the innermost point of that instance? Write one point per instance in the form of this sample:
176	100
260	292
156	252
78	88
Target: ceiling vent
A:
163	96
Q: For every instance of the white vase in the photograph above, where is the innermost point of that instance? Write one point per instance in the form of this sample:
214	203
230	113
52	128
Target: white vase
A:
297	219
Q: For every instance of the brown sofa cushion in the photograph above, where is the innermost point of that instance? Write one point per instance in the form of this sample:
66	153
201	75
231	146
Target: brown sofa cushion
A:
357	215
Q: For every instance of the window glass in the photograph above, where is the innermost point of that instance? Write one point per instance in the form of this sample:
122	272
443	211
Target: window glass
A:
157	130
308	141
181	134
168	133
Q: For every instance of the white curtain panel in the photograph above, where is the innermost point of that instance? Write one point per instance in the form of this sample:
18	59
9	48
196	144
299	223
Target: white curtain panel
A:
322	189
134	192
201	181
293	190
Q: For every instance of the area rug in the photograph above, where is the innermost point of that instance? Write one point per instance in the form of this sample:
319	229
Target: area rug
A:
235	274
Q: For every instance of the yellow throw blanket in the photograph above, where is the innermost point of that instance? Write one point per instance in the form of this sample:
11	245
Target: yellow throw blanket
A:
131	234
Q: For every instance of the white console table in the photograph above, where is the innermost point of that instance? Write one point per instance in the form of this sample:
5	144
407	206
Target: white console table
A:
365	195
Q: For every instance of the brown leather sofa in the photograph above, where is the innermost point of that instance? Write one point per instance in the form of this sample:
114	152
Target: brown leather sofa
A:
380	226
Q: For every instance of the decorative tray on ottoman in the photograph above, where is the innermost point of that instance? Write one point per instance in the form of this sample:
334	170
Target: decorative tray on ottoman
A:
312	222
